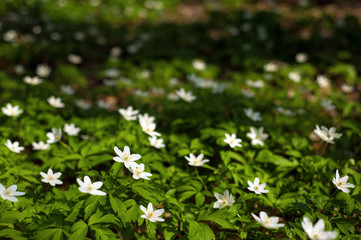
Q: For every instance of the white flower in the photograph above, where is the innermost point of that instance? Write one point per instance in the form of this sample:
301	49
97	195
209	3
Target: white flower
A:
267	222
32	80
347	88
285	112
232	140
317	232
40	146
295	76
247	93
148	128
71	130
196	161
10	193
115	52
146	118
88	187
257	136
54	136
327	105
150	214
125	156
156	142
55	102
323	81
223	200
82	104
256	187
67	89
112	73
255	84
43	70
11	111
271	67
51	178
199	64
173	96
14	147
138	171
75	59
10	36
327	135
103	104
129	114
255	116
301	57
186	96
341	183
19	69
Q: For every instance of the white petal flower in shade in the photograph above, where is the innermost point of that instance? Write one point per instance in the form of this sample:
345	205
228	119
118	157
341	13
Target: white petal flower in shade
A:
186	96
199	64
32	80
327	135
51	178
257	136
55	102
301	57
255	84
232	140
196	161
71	130
75	59
129	114
14	146
88	187
43	70
138	171
103	104
54	136
256	187
10	193
255	116
148	128
146	118
247	93
223	200
295	76
327	105
267	222
150	214
125	156
323	81
83	104
156	142
341	183
347	88
317	232
40	145
67	89
11	111
271	67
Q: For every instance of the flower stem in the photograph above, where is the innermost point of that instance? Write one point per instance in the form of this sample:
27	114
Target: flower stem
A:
116	177
329	200
66	146
199	177
2	205
323	151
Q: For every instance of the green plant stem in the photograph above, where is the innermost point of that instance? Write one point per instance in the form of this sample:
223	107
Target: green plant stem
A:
333	194
116	177
66	146
199	177
323	151
2	205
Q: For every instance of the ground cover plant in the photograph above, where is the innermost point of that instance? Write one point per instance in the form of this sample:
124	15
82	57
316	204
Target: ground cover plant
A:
118	123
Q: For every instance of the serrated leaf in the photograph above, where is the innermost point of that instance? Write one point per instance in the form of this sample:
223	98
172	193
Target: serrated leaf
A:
80	230
200	231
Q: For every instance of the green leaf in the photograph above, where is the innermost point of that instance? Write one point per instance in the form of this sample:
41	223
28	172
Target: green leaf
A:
219	216
80	230
109	218
91	207
200	199
12	233
118	207
200	231
74	214
47	233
